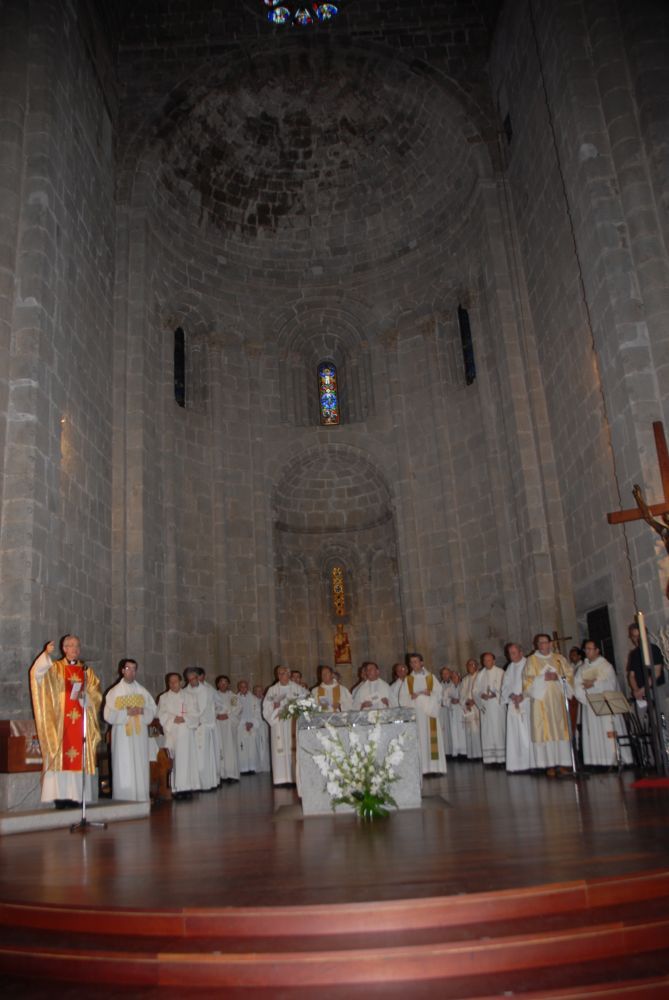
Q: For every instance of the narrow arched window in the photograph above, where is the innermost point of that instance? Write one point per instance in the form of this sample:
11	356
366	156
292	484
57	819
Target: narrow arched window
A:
328	393
467	346
179	367
338	588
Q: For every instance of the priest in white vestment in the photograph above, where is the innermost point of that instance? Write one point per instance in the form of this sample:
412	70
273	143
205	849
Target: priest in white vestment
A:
372	692
282	731
597	676
457	718
445	715
400	672
228	711
264	763
130	709
545	674
205	734
470	711
330	694
422	691
519	753
488	697
179	715
250	721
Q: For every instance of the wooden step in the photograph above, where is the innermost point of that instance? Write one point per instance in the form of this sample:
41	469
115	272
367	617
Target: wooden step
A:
351	918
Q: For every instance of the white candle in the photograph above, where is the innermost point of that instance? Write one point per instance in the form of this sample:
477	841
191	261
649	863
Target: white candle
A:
643	635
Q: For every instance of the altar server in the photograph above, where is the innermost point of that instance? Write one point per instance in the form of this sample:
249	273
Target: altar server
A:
445	715
179	714
282	731
372	692
470	711
264	763
228	711
330	694
130	710
519	756
488	695
400	671
457	718
545	676
248	729
597	676
422	691
205	734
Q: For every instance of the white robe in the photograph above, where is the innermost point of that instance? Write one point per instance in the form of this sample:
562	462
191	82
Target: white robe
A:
326	694
247	739
493	714
281	730
180	741
445	719
427	707
374	691
130	742
264	763
457	720
519	746
395	692
599	749
227	703
206	737
472	717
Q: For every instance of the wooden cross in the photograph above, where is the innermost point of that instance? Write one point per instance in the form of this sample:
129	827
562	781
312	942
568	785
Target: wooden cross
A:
636	513
557	639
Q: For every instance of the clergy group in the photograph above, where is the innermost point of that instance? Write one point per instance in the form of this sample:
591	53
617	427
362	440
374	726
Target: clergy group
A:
531	715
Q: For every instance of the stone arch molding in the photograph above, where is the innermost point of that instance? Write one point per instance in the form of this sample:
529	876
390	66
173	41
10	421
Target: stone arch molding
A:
317	333
332	490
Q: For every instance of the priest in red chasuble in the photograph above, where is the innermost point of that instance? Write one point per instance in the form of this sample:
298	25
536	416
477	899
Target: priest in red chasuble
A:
57	691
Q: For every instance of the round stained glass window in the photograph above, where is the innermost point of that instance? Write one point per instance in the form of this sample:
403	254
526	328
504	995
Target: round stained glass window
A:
299	13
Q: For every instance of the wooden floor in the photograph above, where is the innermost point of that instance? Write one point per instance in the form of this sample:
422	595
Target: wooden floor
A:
248	845
500	884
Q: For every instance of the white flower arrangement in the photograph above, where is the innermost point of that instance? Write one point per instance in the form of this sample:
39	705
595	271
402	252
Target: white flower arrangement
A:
354	775
306	706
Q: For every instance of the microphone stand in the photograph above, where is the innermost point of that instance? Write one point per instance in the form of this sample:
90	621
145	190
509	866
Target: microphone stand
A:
575	775
84	824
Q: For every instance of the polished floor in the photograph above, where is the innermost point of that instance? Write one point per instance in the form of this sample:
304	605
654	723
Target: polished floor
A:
248	845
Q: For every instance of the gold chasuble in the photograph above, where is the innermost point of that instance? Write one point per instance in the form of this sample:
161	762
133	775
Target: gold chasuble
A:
548	712
59	719
434	740
336	696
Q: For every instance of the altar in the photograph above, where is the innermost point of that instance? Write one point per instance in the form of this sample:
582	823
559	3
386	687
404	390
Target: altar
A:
393	722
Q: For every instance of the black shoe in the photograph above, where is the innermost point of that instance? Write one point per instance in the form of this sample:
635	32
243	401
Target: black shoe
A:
66	804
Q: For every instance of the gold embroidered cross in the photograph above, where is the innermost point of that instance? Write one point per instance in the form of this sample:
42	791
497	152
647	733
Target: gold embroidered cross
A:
72	753
74	715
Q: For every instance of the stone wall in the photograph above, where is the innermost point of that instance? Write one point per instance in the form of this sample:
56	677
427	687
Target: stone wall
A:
286	198
591	244
56	337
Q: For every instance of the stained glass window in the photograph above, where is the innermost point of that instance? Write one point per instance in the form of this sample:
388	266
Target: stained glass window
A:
300	13
338	591
328	393
179	367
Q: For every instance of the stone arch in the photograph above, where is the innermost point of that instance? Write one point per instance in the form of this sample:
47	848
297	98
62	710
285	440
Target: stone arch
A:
311	334
345	207
329	490
331	503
